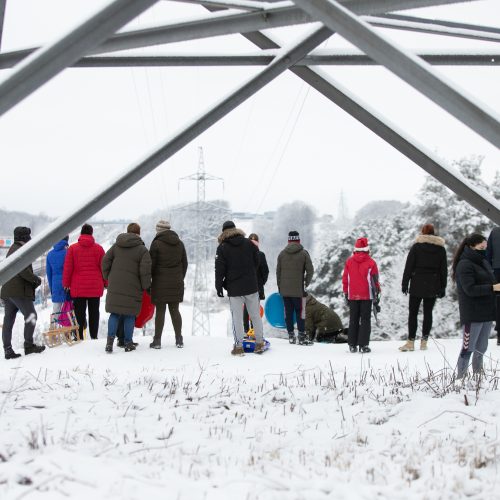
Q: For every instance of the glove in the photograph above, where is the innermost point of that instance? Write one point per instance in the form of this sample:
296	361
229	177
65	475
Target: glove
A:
220	292
404	289
346	298
37	281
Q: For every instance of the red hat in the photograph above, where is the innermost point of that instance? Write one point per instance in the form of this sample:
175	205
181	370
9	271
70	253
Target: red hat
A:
361	245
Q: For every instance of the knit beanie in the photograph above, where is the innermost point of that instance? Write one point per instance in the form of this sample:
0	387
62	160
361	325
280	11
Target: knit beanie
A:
162	225
229	224
293	237
22	233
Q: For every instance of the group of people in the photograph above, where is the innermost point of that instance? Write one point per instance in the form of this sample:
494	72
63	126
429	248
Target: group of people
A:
80	273
128	270
476	272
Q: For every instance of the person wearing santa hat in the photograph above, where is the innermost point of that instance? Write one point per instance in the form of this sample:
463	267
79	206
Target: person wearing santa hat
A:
361	287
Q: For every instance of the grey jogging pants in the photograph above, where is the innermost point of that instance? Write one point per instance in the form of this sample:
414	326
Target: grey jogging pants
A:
475	343
252	302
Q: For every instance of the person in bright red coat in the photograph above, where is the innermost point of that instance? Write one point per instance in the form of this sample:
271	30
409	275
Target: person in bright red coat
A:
361	287
82	276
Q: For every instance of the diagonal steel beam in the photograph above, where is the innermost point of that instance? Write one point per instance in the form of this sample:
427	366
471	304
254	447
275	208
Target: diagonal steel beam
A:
23	257
226	24
2	17
439	22
407	66
333	58
47	62
457	30
382	127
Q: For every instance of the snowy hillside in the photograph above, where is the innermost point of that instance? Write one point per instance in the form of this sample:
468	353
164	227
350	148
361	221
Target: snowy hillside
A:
295	423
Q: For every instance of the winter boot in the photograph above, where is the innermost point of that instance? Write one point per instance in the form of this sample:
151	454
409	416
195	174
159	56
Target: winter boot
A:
409	346
238	351
10	354
179	342
304	339
259	347
122	344
33	348
156	344
130	346
364	349
423	344
353	348
109	344
291	338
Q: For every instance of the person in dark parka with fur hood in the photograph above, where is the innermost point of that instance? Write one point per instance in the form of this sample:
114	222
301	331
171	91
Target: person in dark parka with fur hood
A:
127	267
426	274
169	267
236	263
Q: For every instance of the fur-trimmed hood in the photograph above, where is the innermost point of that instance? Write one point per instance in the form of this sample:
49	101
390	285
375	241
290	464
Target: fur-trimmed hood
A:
430	238
230	233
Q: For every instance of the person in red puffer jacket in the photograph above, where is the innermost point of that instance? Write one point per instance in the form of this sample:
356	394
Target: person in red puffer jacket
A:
361	287
82	277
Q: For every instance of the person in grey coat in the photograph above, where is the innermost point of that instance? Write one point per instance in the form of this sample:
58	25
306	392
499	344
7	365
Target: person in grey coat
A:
18	294
127	267
294	272
169	267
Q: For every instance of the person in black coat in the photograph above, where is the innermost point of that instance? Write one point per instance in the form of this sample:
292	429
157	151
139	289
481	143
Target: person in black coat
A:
236	263
18	294
262	275
424	276
476	287
493	255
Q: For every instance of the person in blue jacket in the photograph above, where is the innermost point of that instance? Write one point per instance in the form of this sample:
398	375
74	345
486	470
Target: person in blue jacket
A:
55	265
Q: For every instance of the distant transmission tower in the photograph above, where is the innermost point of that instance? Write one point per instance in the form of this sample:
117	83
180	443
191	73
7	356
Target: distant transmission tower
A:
201	320
343	215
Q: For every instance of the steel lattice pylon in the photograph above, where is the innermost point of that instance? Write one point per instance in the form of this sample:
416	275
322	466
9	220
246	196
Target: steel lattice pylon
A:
201	318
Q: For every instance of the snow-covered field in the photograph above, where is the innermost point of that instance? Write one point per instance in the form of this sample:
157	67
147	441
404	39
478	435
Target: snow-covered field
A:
295	423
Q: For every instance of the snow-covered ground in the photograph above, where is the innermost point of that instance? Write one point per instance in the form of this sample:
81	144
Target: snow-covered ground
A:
295	423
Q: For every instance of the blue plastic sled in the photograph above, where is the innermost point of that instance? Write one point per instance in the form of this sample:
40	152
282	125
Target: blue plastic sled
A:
249	345
275	311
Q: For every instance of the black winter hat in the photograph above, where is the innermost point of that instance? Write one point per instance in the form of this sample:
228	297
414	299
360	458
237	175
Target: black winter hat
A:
293	236
229	224
22	233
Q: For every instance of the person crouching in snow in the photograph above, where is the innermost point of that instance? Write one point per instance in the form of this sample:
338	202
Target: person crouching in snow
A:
236	263
127	267
361	287
322	323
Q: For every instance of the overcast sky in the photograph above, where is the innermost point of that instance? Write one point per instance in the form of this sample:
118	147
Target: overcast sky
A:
61	144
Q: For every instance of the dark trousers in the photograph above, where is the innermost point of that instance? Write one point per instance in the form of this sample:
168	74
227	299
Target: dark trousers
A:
414	306
175	315
497	303
360	314
127	323
81	304
297	305
27	308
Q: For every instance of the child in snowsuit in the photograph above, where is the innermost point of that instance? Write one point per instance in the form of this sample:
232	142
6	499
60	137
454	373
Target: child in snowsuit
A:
361	287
